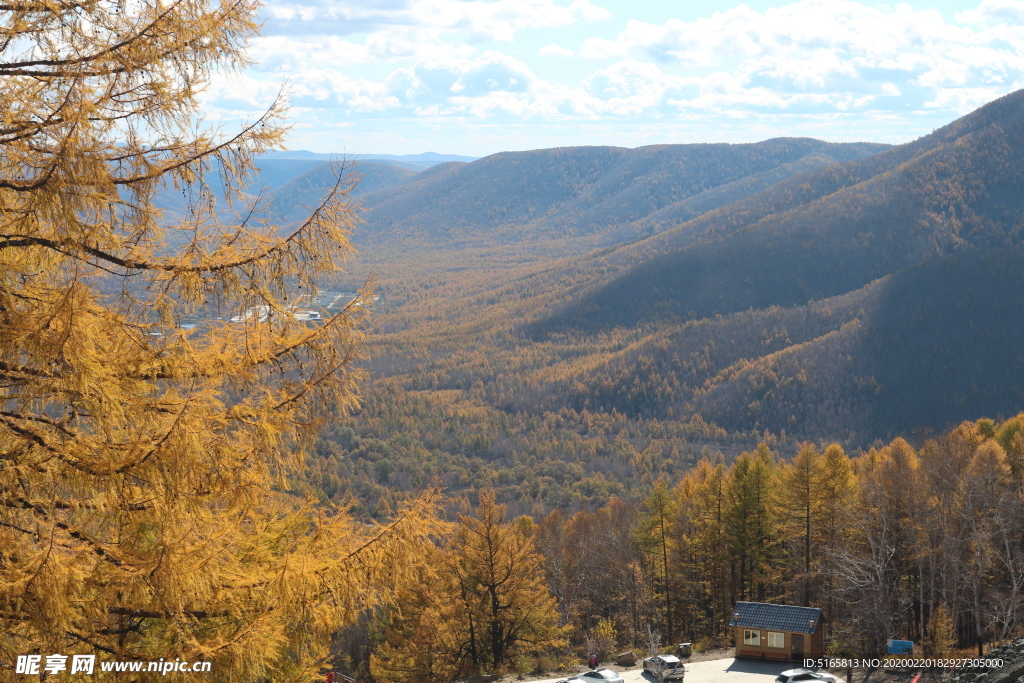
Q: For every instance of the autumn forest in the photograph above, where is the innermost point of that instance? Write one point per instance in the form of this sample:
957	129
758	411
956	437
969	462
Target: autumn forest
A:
292	414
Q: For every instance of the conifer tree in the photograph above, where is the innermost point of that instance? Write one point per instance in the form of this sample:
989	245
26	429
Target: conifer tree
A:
942	637
655	523
752	523
700	546
709	519
837	488
481	604
602	639
144	468
803	494
837	492
503	573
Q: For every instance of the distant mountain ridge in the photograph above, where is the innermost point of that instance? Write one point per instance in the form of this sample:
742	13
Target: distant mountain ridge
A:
833	291
612	192
291	187
415	162
293	200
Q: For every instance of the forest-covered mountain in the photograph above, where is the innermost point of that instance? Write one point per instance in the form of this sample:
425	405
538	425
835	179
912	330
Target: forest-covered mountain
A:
583	191
584	196
906	354
858	300
293	200
913	257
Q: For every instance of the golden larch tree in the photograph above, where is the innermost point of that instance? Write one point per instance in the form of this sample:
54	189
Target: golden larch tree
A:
482	605
801	479
753	524
941	633
144	468
659	509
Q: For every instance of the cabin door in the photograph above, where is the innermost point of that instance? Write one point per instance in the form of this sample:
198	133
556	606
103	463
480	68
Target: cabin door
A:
798	647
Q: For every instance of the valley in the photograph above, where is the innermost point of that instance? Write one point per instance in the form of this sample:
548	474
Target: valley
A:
565	324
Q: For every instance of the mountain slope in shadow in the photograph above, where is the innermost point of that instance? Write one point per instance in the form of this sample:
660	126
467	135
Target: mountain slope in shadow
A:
916	351
940	344
825	232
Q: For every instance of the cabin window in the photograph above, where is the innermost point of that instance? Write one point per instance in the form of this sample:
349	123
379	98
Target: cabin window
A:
752	638
776	639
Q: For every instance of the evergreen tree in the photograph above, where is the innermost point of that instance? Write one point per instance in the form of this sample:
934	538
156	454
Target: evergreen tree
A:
838	493
703	557
659	510
753	525
802	481
942	637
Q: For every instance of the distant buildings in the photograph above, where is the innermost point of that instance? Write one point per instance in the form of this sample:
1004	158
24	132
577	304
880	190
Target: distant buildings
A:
333	301
307	309
262	314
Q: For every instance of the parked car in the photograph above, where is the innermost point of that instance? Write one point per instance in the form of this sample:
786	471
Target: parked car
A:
598	676
800	675
665	667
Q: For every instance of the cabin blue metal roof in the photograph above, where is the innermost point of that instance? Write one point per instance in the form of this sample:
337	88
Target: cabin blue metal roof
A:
775	617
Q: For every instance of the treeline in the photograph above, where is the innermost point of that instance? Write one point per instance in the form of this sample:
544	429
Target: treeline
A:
880	542
916	543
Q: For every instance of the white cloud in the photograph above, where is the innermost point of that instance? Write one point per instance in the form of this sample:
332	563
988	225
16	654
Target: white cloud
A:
282	53
436	81
240	91
425	60
962	100
316	33
589	12
845	52
995	12
630	87
555	50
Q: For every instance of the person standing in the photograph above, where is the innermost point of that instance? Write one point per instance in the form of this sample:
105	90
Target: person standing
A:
593	661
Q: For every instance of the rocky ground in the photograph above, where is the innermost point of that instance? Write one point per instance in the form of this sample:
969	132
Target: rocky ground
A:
1011	653
1012	671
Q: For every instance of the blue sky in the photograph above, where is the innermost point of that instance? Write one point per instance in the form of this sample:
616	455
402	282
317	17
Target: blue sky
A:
476	77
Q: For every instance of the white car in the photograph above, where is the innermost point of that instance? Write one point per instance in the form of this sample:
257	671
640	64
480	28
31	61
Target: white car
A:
805	675
665	667
598	676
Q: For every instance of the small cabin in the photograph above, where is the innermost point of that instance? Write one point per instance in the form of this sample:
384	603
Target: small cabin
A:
780	632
